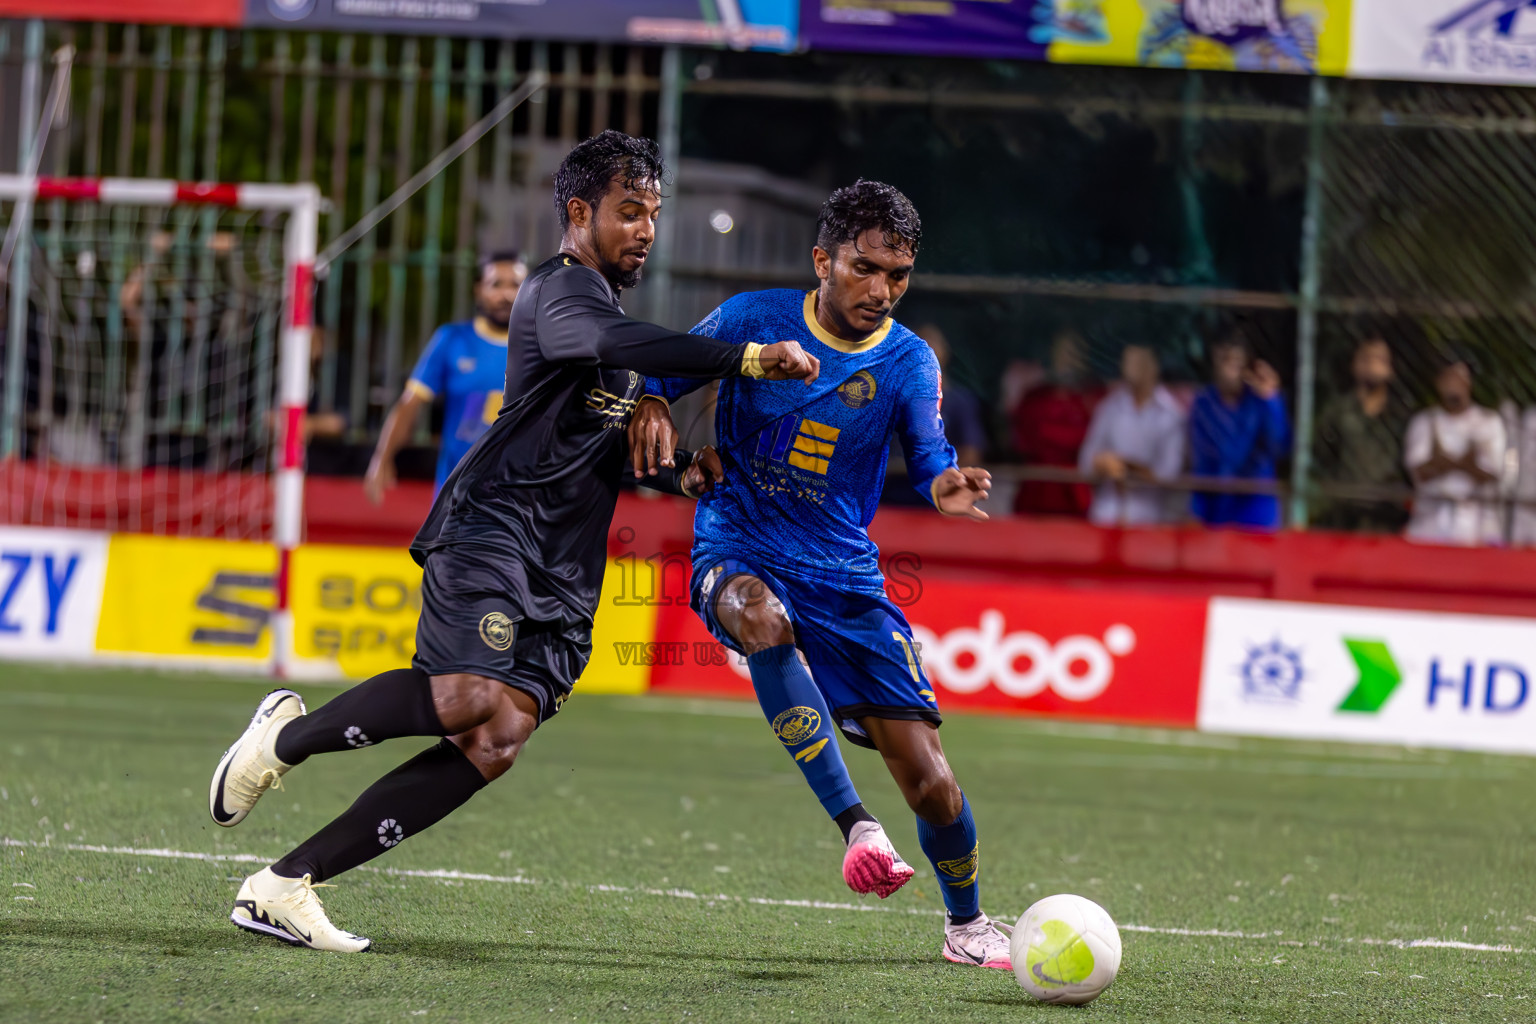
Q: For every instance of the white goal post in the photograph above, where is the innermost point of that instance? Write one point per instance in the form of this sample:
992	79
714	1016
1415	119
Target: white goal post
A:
301	205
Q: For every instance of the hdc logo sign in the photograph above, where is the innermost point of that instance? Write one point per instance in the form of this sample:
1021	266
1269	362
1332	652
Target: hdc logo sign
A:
1092	654
1351	673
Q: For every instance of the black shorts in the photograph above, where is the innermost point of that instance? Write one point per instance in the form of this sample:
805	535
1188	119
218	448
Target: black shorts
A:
470	623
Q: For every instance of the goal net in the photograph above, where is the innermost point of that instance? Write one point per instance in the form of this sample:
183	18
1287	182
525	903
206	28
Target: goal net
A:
155	356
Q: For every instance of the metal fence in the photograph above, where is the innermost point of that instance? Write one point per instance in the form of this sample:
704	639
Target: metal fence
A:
1117	205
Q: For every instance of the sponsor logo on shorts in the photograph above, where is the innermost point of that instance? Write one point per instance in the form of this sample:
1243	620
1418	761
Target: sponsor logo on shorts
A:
962	871
796	725
497	631
857	391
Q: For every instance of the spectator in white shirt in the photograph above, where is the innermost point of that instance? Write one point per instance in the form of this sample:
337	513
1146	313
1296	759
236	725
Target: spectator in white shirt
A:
1455	453
1135	440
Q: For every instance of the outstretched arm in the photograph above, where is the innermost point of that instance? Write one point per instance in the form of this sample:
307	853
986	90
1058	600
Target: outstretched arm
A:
579	323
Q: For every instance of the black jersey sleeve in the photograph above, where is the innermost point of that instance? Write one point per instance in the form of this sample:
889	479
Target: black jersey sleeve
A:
668	479
579	323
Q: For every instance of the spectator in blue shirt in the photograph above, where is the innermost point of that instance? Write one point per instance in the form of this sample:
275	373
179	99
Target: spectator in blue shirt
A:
1238	430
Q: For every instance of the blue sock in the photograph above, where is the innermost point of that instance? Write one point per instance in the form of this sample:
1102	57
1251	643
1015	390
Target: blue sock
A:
799	716
953	849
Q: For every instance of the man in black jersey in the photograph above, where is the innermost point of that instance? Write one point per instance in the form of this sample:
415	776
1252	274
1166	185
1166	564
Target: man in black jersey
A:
512	553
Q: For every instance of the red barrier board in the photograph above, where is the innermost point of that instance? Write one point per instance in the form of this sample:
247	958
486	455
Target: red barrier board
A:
227	13
1004	648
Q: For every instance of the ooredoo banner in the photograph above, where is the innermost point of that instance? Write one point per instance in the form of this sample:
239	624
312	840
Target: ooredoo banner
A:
1445	40
1316	671
50	592
1122	657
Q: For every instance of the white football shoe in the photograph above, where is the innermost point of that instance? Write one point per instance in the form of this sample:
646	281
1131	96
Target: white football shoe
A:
288	909
980	943
872	863
250	767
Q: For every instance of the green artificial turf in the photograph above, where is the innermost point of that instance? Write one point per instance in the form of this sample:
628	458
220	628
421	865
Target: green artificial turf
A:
623	855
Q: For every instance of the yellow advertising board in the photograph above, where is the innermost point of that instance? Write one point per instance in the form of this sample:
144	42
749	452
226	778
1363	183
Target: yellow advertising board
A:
186	598
354	608
357	607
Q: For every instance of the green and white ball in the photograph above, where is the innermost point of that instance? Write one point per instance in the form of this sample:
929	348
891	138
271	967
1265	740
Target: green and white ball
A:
1066	949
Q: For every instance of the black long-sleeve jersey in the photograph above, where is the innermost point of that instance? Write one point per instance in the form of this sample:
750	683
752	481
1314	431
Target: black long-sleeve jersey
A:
537	491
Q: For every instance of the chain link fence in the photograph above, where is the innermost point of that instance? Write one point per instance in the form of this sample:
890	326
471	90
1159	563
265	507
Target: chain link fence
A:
1069	212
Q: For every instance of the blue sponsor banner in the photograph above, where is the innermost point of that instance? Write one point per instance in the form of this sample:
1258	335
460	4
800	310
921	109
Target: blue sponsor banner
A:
738	24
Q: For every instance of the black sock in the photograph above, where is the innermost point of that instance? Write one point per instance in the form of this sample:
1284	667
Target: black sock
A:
851	817
391	704
413	797
963	919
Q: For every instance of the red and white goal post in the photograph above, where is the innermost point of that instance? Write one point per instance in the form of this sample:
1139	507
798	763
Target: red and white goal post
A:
68	306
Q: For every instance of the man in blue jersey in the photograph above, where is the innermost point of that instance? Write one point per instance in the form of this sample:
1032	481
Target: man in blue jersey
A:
465	364
783	562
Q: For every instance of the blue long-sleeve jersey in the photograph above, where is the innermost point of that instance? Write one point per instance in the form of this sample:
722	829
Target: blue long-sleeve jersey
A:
804	466
1244	442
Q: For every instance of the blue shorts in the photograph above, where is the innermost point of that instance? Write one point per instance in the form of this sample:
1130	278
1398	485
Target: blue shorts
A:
859	646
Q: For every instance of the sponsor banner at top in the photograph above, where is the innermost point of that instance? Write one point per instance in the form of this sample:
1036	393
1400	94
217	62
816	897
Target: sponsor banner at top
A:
1490	41
1295	36
1324	672
739	24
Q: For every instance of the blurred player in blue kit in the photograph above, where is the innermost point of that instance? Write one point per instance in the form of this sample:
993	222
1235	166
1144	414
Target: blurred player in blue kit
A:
783	562
464	364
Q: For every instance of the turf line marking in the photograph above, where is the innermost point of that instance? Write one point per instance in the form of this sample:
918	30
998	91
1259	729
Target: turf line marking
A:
449	874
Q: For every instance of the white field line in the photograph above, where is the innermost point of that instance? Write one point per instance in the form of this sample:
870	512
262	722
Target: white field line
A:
448	874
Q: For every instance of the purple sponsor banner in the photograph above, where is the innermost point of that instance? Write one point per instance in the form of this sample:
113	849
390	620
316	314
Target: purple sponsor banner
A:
941	28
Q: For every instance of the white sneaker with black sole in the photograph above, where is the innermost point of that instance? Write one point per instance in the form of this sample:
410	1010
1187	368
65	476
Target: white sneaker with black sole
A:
288	909
980	943
250	766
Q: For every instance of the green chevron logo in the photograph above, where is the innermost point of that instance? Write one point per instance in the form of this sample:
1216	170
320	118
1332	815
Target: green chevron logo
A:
1379	676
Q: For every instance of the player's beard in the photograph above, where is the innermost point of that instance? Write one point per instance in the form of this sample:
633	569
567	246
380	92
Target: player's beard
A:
620	279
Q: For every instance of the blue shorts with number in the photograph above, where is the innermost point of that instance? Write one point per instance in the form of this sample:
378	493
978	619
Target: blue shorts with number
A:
859	646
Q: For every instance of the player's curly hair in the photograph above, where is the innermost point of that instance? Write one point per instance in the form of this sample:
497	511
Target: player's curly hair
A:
587	170
854	209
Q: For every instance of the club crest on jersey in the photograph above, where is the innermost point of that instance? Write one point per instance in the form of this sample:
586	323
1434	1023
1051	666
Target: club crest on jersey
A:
857	391
796	725
497	631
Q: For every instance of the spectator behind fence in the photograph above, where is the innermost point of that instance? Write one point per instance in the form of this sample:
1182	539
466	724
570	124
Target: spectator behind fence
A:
1523	531
1455	452
1049	425
1135	440
1358	440
1238	430
965	424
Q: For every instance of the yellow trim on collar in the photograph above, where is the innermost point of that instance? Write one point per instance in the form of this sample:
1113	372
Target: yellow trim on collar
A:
833	341
489	331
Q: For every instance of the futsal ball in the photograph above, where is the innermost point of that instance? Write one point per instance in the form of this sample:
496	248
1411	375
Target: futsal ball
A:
1065	950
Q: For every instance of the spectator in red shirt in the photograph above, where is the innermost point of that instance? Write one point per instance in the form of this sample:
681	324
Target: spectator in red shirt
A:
1049	425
